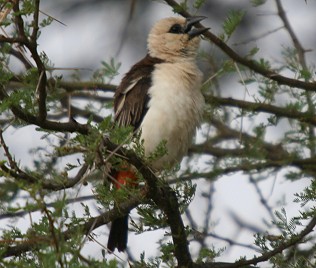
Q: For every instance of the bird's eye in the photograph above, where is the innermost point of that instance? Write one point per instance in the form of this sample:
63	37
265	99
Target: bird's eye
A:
176	29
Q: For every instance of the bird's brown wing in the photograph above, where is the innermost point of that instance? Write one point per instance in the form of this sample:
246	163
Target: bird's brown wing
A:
131	96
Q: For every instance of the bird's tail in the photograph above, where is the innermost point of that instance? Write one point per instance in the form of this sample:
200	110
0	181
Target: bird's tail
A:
119	229
118	234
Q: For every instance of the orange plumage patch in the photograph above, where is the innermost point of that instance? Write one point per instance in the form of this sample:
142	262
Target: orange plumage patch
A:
125	178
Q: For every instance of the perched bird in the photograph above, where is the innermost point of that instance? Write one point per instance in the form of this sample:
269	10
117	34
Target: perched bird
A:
160	97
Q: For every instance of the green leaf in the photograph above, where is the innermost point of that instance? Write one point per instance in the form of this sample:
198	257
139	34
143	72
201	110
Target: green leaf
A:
183	6
253	52
305	74
256	3
232	21
198	3
208	254
106	124
28	7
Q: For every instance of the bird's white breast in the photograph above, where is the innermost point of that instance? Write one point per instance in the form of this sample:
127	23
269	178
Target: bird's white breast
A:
174	111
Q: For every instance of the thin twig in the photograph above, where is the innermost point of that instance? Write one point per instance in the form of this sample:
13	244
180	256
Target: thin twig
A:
12	162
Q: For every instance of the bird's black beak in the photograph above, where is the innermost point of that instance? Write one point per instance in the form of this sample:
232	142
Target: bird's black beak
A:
190	22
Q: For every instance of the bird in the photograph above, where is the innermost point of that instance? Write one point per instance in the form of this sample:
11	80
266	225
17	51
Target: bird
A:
161	99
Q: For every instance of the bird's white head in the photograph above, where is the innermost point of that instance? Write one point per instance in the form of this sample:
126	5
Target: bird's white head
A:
175	39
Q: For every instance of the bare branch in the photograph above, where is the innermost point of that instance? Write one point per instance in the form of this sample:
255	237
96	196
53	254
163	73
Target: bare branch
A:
292	113
12	162
302	60
297	44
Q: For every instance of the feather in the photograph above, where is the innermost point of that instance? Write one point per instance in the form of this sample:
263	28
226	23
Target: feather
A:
131	97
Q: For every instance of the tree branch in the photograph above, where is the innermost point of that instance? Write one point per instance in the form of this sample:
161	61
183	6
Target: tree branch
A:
71	126
35	23
46	184
302	60
291	113
19	23
251	64
299	48
36	208
83	85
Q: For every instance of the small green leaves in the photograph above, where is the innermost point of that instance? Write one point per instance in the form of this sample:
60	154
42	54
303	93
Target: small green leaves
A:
151	263
122	135
107	72
308	195
207	255
27	7
198	3
232	21
182	6
287	226
160	151
111	68
46	22
305	74
257	3
253	51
